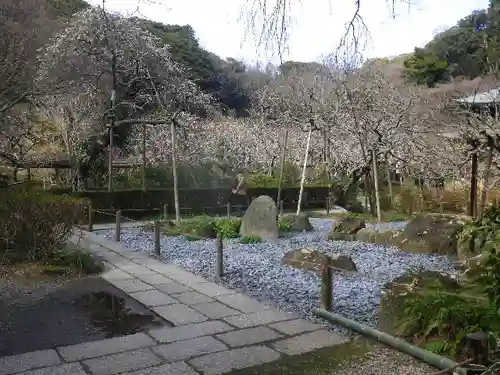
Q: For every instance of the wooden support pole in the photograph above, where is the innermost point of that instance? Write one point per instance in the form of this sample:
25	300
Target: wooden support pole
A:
165	212
219	256
229	210
281	209
326	284
91	218
156	237
327	205
118	219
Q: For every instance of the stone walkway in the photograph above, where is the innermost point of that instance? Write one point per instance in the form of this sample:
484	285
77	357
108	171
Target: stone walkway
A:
215	329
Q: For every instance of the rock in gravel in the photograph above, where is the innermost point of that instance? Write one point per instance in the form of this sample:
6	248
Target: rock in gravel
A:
395	293
346	228
298	223
260	219
313	260
438	232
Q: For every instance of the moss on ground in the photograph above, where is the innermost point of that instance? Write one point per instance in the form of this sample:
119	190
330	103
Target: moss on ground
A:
320	362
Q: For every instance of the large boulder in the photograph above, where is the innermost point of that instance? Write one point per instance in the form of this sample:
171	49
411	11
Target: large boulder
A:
346	228
297	223
439	233
260	219
395	293
313	260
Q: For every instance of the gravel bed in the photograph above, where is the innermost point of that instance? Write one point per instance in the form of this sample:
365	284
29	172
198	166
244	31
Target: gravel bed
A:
257	269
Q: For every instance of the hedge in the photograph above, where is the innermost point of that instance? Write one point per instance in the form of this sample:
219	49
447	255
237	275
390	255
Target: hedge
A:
194	201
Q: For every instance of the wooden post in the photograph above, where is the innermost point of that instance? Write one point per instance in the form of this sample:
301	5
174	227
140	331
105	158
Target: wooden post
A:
327	205
165	212
281	209
375	184
229	210
326	284
143	163
473	187
477	348
156	237
219	256
118	224
91	224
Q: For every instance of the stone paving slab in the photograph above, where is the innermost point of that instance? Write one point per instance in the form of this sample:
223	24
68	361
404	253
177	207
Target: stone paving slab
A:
179	314
308	342
249	336
242	303
181	350
155	279
211	289
67	369
223	362
168	334
153	298
215	310
178	368
121	362
131	285
172	287
258	318
104	347
192	298
293	327
27	361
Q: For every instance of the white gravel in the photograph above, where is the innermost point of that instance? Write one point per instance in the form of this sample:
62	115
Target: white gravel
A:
257	269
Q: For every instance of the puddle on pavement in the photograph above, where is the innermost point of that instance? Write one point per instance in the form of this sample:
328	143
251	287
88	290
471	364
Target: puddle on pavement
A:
77	311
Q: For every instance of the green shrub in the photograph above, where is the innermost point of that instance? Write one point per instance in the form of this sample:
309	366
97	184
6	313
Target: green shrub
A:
229	228
409	199
34	224
438	320
250	239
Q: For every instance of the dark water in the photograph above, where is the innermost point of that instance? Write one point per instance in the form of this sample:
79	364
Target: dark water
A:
78	311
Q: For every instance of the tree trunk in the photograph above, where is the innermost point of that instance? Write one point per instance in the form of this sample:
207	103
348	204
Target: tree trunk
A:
282	166
473	187
143	165
110	159
303	179
389	180
486	181
375	184
174	174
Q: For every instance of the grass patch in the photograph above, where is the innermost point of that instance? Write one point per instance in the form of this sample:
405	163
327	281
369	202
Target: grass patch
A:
250	239
62	261
285	225
320	362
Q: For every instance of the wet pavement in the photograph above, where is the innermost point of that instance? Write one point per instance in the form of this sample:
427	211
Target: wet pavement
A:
74	312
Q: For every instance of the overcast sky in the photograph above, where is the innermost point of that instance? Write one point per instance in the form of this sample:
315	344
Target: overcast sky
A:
317	24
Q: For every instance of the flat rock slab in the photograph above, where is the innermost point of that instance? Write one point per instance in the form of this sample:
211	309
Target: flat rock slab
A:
121	362
104	347
67	369
178	368
258	318
27	361
223	362
215	310
166	335
293	327
249	336
153	298
242	303
308	342
192	298
189	348
179	314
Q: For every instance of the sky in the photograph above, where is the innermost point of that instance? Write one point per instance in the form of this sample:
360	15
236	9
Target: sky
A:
316	25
